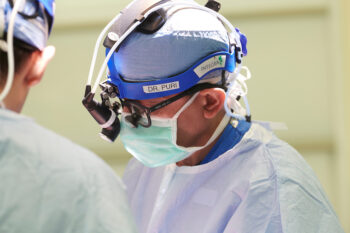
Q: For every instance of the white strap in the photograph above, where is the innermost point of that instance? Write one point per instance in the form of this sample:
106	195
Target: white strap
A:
237	87
2	105
10	53
110	120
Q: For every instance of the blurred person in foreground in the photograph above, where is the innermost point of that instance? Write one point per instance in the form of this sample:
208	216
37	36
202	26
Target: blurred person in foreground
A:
201	164
47	183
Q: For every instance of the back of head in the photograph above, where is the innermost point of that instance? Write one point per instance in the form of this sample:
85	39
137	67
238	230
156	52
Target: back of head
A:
31	28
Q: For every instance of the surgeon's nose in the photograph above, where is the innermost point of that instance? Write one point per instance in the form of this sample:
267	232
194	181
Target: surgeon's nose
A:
125	109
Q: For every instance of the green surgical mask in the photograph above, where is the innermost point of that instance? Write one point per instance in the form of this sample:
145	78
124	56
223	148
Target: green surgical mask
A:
156	145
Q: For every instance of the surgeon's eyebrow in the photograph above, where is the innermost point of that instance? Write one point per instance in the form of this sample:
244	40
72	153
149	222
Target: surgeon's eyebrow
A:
153	101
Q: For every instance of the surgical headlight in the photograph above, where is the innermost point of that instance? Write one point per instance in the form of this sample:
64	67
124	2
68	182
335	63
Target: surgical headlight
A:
148	16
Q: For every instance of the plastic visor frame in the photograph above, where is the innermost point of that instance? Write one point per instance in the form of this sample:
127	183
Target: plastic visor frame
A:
172	85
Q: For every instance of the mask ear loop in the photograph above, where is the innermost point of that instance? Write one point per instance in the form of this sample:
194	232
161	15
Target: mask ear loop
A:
10	52
2	105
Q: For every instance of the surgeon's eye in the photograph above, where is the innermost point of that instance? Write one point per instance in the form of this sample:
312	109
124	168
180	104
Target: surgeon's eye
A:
139	114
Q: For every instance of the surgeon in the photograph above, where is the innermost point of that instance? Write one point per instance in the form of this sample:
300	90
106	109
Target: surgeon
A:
47	183
176	81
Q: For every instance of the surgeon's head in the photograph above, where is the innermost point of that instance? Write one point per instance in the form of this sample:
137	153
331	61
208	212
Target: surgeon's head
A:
187	36
30	28
171	74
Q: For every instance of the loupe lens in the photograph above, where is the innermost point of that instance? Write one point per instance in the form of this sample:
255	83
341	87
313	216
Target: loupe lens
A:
138	114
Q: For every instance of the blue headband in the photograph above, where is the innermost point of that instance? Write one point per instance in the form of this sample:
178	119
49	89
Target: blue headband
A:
171	85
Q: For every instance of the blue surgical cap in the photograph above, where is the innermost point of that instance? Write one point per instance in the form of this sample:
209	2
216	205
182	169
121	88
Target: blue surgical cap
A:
34	32
187	36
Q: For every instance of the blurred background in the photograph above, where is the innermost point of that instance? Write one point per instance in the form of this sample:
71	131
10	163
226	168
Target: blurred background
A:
299	56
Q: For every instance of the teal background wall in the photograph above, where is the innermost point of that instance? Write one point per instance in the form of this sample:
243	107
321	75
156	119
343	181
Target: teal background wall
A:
299	55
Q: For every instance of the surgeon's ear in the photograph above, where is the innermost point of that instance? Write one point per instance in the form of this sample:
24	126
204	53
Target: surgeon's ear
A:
212	101
39	64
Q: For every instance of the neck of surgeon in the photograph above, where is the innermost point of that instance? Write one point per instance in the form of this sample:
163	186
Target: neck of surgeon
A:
29	70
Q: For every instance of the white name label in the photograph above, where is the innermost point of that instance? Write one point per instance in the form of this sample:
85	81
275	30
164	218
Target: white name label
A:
210	64
161	87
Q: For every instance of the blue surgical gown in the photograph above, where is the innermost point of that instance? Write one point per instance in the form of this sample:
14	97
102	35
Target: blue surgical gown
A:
51	185
261	184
